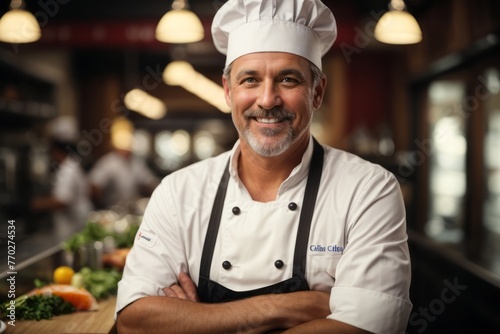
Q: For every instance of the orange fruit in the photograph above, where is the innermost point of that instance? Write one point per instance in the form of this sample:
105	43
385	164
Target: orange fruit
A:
63	275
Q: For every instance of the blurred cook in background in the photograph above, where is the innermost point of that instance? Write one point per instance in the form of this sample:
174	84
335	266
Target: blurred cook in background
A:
119	176
69	200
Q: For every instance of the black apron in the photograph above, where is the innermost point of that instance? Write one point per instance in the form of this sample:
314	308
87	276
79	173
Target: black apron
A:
213	292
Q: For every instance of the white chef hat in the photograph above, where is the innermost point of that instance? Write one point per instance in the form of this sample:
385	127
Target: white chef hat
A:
303	27
64	128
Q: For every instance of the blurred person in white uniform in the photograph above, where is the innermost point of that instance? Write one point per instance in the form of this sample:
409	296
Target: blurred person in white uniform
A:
281	233
118	176
69	200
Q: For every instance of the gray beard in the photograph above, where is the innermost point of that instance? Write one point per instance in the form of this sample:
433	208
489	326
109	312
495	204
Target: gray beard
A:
266	150
277	147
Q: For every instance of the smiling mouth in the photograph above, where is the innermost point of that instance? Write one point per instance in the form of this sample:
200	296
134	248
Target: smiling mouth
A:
271	116
268	120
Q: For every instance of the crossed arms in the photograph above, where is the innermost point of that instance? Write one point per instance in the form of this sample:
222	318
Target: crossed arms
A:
181	312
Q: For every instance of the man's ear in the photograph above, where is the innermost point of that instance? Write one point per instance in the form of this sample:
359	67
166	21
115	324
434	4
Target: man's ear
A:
227	93
319	92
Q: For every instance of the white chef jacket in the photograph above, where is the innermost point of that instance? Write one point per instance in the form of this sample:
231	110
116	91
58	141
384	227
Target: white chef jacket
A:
357	243
120	179
71	187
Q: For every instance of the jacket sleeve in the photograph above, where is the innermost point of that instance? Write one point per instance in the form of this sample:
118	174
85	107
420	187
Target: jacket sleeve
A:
373	275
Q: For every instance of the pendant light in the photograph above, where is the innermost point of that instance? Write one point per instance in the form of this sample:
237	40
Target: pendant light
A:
180	25
19	25
397	26
137	98
145	104
181	73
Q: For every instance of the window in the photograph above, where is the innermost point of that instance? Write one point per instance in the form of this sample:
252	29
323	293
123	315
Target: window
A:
447	160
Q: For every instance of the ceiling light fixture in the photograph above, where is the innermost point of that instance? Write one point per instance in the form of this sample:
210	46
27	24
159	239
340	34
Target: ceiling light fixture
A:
397	26
181	73
179	25
145	104
19	25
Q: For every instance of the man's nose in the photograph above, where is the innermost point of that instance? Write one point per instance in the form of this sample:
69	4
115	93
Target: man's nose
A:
269	95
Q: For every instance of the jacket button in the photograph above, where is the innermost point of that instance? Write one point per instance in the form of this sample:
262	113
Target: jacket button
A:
226	265
236	210
279	264
292	206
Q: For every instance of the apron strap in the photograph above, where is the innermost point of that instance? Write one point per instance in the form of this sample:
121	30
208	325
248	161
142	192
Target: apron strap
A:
311	191
213	225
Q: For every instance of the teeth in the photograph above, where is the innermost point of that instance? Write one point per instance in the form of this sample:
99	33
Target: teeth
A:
267	120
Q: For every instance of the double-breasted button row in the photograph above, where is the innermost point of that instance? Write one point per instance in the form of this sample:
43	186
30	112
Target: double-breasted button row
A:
227	265
292	206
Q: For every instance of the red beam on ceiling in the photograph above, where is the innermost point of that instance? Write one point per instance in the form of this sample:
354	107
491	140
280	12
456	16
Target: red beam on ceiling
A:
129	34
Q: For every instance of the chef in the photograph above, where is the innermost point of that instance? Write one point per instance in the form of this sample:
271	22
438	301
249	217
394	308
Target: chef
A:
281	233
69	198
119	177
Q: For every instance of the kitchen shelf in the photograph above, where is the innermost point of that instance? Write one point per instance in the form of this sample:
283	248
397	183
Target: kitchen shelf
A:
26	109
25	97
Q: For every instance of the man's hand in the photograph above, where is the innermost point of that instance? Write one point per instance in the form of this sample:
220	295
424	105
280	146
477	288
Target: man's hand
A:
299	311
182	312
186	289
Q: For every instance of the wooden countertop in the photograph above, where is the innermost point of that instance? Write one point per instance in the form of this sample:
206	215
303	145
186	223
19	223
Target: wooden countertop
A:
88	322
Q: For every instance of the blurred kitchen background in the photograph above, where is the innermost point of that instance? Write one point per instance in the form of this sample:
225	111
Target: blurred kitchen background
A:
429	112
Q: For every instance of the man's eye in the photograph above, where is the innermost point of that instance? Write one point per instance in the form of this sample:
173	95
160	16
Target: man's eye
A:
249	80
289	80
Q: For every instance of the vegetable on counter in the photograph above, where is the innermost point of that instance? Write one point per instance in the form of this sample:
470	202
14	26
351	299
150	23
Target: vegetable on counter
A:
97	232
96	245
70	291
90	233
100	283
38	307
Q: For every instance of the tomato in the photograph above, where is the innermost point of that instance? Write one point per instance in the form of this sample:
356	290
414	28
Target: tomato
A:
63	275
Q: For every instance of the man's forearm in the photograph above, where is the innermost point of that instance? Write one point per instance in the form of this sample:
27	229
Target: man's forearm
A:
156	314
326	326
254	315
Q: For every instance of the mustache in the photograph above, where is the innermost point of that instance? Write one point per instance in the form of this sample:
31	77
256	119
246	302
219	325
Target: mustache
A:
274	112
